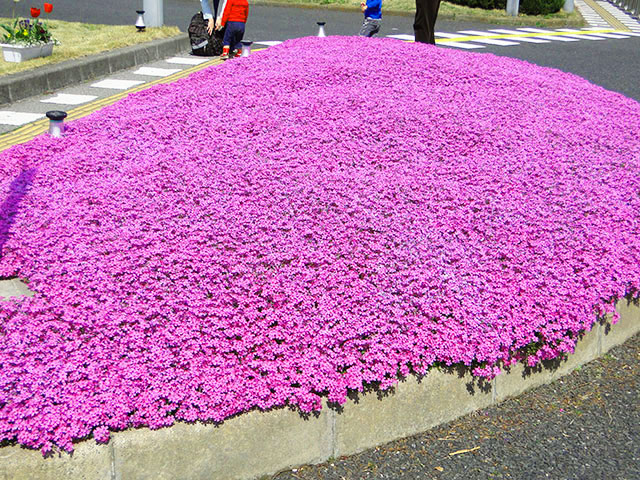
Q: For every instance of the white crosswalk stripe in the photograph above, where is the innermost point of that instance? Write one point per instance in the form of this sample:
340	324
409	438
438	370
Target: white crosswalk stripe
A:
520	39
604	35
8	117
187	61
269	43
488	41
466	39
69	99
463	45
156	72
403	36
558	38
116	84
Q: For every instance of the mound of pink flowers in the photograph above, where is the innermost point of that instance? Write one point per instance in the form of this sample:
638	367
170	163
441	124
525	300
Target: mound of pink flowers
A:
313	218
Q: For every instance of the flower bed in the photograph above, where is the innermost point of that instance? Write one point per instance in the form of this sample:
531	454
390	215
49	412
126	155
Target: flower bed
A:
324	214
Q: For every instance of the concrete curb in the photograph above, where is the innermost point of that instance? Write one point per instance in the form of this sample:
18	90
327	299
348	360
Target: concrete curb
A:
52	77
257	444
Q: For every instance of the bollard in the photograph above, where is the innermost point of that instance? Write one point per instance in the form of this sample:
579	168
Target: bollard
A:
56	122
568	6
155	12
246	48
140	21
512	7
321	29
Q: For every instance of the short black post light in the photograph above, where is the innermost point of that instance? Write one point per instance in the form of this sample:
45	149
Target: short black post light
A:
246	48
56	122
140	21
321	29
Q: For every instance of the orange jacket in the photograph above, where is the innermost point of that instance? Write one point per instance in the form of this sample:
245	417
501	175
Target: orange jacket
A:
235	11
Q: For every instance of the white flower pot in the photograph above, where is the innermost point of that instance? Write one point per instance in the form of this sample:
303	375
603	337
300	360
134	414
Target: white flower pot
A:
20	53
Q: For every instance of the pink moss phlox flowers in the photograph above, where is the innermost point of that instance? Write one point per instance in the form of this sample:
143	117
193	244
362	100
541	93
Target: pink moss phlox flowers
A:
299	223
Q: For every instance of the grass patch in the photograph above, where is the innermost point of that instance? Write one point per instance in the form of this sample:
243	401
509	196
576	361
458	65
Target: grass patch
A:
79	39
448	11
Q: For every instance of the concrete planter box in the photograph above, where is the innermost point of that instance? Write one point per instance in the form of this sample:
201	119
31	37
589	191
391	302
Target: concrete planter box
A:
257	444
20	53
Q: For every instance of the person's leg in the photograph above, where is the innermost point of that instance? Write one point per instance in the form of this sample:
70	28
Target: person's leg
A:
226	40
364	30
239	36
376	27
431	15
370	27
236	33
420	22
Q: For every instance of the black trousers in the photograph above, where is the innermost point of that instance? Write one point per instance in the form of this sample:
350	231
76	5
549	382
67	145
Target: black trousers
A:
424	25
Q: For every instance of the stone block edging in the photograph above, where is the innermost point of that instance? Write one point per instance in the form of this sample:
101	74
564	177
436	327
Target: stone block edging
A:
256	444
30	83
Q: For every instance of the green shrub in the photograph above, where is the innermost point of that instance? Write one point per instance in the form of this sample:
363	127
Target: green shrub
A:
529	7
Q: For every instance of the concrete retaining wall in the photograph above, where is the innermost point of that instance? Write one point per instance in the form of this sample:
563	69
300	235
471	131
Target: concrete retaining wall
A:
256	444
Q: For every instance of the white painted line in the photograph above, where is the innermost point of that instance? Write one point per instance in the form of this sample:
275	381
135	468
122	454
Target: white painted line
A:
488	41
187	61
610	35
273	43
403	36
520	39
69	99
117	84
579	35
559	38
447	35
8	117
156	72
464	45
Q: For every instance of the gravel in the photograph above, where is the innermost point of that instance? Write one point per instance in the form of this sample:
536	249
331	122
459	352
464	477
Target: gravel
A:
583	426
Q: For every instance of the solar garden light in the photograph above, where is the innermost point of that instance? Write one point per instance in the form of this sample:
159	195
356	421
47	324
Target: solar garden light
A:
56	122
321	29
246	48
140	21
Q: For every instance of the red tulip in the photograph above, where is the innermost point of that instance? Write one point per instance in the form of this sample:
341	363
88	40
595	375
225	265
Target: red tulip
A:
35	12
48	7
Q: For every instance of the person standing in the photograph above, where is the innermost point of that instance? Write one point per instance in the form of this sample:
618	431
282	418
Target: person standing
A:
234	18
372	10
424	24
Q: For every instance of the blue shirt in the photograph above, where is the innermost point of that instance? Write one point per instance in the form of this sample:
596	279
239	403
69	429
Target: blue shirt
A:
374	9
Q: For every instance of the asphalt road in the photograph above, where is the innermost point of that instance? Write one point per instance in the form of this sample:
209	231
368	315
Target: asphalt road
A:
612	64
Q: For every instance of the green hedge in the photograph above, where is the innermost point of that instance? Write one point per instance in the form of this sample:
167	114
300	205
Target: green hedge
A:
529	7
